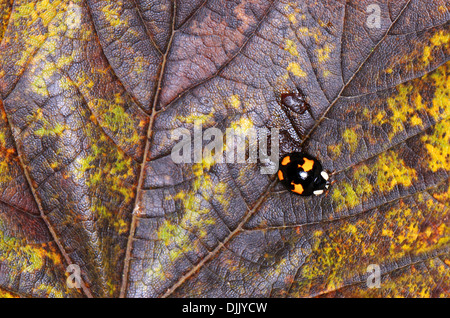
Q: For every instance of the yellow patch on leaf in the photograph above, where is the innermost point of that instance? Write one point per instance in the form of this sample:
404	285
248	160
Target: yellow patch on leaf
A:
291	47
438	40
351	138
437	145
408	102
390	171
323	54
235	102
296	70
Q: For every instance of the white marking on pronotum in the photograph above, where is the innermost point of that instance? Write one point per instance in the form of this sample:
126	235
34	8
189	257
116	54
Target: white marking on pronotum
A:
325	175
318	192
303	174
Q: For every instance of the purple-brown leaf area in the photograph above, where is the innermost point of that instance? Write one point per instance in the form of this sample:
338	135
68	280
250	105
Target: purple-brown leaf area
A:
93	90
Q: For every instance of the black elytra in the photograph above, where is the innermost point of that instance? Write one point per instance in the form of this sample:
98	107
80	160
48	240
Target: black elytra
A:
302	174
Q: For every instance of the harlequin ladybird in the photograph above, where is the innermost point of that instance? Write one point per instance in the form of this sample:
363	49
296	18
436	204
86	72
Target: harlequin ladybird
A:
303	174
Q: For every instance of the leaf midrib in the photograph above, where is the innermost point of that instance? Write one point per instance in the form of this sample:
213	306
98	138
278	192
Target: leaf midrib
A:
126	266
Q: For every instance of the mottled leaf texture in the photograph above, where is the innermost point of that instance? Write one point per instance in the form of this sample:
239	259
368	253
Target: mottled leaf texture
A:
91	91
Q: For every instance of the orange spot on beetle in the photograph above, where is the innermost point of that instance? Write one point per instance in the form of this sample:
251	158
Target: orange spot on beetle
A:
286	160
308	165
280	175
298	188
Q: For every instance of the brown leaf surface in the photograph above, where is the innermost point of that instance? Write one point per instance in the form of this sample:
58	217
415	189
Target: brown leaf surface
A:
91	91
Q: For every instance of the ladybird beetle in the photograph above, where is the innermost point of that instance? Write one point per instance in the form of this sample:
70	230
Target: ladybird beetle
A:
303	174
